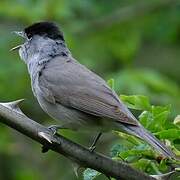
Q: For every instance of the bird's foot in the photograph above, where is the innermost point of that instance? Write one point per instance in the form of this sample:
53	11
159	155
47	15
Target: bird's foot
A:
92	148
49	136
54	128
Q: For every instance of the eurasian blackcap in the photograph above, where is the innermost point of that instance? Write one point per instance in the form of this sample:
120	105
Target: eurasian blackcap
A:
72	94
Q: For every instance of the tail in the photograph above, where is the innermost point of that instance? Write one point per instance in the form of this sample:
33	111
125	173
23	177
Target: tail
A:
143	134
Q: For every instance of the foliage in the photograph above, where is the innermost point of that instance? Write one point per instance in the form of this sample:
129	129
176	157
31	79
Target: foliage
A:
138	153
90	174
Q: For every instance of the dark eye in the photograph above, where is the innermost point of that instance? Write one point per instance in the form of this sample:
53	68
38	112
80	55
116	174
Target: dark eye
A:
29	35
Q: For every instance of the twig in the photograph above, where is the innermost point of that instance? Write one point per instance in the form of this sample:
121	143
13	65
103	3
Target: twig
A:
16	119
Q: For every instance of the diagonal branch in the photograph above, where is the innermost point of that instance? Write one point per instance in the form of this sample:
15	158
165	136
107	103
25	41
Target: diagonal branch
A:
12	116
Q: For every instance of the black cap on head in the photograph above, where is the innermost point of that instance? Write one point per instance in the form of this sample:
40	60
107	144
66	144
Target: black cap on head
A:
48	29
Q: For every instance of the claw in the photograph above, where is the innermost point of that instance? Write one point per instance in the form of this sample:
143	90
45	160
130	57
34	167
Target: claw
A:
92	148
46	136
54	128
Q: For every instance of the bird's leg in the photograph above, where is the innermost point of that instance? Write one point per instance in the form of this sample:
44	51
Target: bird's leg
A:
55	128
93	145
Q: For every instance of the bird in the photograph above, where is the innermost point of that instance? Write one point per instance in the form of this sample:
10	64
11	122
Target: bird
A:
72	94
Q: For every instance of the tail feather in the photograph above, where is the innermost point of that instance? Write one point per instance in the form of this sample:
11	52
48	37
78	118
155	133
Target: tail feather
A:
143	134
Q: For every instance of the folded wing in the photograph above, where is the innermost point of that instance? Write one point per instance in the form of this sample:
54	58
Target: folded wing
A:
73	85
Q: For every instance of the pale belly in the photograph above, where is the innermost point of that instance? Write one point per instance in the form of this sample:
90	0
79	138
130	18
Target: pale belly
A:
74	119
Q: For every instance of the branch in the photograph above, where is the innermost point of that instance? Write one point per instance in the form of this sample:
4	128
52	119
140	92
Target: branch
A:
16	119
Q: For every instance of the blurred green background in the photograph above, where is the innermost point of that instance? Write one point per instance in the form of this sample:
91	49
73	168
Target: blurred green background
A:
135	42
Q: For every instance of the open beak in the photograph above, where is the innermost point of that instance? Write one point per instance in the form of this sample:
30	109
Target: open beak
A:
16	48
21	34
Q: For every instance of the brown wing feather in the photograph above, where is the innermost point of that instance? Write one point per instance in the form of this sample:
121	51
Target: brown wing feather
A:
73	85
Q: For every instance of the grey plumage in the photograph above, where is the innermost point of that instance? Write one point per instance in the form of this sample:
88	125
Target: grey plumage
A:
74	95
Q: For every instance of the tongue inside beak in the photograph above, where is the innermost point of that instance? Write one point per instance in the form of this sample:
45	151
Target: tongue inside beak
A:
16	48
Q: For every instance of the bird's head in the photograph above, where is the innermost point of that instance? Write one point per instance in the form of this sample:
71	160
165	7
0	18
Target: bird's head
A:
36	36
44	29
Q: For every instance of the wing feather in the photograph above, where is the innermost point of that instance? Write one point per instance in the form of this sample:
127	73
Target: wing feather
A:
73	85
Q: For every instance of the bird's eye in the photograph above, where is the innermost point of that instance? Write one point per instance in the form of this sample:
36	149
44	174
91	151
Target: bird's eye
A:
29	35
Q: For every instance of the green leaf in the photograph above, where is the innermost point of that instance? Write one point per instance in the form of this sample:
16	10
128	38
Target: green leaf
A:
130	138
163	165
177	169
142	164
137	153
160	115
156	118
177	120
176	151
168	134
110	82
146	118
147	166
90	174
138	102
154	167
117	148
